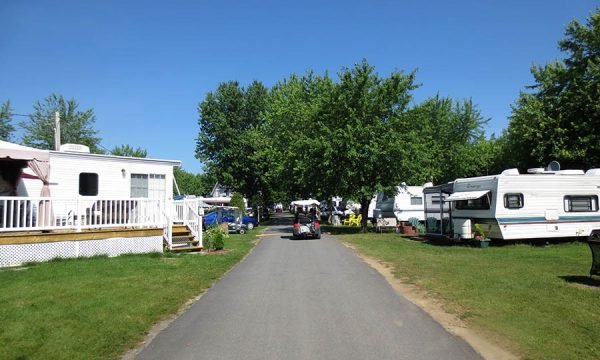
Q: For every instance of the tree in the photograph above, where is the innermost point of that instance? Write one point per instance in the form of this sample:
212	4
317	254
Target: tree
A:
6	128
127	150
558	119
230	135
293	152
237	200
367	141
193	184
76	126
452	138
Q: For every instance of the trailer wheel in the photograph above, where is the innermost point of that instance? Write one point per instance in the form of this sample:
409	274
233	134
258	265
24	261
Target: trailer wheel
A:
595	235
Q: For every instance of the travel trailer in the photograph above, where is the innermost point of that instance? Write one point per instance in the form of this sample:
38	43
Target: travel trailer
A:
71	203
81	175
405	204
539	205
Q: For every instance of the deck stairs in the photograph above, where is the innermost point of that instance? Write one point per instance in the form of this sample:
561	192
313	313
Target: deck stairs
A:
183	240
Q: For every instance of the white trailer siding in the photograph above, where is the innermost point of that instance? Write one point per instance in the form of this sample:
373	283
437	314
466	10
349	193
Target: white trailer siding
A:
406	204
114	176
543	212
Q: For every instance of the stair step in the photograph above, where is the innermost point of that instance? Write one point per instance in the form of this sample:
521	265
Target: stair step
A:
186	236
181	233
187	241
187	248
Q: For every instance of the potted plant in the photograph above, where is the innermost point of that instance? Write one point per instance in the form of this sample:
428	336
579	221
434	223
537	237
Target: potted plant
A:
479	236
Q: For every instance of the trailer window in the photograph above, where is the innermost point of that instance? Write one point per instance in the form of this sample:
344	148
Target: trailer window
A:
435	199
513	201
416	200
482	203
88	184
148	186
586	203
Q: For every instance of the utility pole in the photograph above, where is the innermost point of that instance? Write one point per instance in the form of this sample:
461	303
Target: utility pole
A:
56	131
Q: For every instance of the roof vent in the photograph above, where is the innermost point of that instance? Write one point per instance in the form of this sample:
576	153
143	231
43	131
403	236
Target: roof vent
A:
75	148
510	172
593	172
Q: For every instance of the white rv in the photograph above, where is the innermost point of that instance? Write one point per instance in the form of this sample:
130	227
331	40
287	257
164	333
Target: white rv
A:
81	175
537	205
405	204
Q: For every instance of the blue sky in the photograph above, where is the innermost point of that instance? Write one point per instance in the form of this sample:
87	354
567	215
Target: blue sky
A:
144	66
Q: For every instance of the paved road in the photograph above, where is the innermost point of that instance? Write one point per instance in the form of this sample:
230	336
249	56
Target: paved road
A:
304	299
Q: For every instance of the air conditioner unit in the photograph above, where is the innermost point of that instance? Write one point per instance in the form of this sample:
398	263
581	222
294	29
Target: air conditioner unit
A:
75	148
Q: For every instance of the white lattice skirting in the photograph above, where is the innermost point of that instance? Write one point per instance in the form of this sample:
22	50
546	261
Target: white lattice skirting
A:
13	255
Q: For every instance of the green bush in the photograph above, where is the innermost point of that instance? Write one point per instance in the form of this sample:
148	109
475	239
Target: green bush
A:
214	238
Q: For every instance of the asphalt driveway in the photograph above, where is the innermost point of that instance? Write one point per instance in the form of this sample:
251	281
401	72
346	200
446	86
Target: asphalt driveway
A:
304	299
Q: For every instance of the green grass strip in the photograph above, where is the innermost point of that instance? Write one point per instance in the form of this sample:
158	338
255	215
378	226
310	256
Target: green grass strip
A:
540	298
98	308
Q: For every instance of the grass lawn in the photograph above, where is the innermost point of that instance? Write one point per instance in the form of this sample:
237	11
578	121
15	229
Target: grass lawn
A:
540	299
98	308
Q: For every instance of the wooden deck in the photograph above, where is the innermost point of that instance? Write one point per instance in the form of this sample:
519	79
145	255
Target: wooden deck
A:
32	237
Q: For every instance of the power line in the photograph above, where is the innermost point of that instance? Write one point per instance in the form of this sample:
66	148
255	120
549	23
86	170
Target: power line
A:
12	114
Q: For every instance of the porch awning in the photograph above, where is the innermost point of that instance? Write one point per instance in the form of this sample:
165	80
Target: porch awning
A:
467	195
12	151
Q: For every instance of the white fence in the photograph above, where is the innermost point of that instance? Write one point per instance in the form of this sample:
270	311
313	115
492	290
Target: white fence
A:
31	214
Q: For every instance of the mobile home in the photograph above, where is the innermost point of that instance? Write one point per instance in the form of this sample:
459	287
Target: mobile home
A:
540	204
405	204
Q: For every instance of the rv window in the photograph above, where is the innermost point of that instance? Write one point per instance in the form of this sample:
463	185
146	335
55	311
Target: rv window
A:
587	203
139	185
513	201
148	186
482	203
88	184
416	200
435	199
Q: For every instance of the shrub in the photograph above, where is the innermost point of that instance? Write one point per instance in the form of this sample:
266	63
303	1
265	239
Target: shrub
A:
214	238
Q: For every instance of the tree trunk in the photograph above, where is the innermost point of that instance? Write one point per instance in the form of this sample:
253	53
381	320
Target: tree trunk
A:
364	211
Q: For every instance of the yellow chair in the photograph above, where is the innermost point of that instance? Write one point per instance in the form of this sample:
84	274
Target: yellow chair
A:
349	220
356	221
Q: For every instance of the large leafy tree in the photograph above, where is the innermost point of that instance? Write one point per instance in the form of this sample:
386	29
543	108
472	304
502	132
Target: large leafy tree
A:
6	128
452	138
128	150
295	129
558	118
367	141
76	126
230	135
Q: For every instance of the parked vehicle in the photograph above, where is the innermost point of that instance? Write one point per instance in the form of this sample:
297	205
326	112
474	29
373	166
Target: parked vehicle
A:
228	214
540	204
306	219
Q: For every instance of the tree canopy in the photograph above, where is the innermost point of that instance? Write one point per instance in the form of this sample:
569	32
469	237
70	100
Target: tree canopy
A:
128	150
6	128
76	126
193	184
230	122
316	136
558	118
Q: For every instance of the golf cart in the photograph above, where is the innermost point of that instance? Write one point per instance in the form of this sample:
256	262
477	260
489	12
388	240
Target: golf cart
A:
306	219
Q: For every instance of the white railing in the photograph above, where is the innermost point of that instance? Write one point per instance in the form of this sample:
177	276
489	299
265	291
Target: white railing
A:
31	214
188	212
168	231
